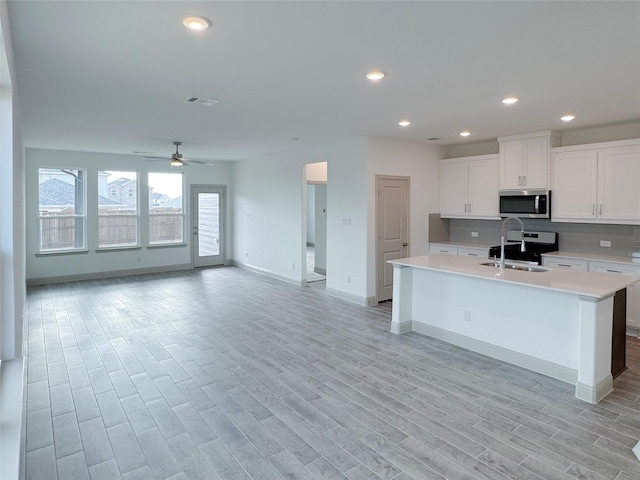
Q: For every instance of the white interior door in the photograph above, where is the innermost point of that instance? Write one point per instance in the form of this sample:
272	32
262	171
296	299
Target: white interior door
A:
208	226
392	211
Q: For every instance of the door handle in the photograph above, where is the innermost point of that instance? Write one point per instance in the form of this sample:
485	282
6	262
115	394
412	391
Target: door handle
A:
405	244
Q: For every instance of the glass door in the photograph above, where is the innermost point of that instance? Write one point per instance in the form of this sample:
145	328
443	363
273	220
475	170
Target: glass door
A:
208	226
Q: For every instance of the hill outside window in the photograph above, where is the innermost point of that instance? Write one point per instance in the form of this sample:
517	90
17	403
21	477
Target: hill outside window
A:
62	209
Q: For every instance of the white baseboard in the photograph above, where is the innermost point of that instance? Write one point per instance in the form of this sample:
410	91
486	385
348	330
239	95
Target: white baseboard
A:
633	331
594	394
111	274
268	273
11	390
544	367
401	327
350	297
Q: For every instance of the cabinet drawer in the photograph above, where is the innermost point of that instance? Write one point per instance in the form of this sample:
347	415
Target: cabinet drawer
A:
442	250
607	267
473	252
573	263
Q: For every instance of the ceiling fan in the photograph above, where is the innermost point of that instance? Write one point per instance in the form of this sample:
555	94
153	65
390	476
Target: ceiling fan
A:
177	160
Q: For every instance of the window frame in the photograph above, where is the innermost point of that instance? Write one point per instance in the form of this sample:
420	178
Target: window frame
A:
83	218
150	215
137	216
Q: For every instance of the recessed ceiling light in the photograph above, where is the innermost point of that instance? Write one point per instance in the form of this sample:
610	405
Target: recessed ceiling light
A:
466	133
196	22
404	123
376	75
509	100
567	118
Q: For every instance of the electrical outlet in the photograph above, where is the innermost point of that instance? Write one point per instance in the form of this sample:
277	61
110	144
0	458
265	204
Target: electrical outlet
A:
474	234
467	316
293	266
246	254
348	279
605	243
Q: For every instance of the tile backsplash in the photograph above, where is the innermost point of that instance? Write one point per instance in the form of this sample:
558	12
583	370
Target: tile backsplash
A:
572	237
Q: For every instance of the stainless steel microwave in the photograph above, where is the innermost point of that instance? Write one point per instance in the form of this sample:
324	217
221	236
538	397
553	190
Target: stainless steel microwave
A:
525	203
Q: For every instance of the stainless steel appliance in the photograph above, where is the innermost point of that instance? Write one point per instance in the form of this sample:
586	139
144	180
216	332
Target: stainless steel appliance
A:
525	203
536	243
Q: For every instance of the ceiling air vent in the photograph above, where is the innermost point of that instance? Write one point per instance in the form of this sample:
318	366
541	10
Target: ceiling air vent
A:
202	101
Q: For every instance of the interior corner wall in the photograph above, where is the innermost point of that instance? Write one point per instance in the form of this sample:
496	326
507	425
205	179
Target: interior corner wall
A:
421	163
270	211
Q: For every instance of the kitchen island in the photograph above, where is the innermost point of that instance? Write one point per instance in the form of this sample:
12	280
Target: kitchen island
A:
555	322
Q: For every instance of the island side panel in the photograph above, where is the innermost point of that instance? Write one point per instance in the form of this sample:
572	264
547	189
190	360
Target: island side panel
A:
402	306
534	328
596	325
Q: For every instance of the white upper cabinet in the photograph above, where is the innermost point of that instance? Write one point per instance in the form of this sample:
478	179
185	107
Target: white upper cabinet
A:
469	187
597	183
525	160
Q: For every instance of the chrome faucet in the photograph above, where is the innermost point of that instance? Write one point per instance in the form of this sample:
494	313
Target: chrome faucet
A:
502	238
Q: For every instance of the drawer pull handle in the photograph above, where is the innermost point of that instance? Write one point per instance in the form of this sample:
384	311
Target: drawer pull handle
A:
614	271
472	254
565	265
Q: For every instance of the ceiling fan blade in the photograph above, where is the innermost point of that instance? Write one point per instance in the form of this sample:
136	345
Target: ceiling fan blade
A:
200	162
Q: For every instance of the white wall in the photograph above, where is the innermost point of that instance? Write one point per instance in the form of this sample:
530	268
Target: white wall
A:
311	214
420	162
270	198
50	267
320	218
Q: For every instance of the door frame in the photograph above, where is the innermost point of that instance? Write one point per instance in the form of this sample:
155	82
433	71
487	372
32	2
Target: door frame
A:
380	266
222	191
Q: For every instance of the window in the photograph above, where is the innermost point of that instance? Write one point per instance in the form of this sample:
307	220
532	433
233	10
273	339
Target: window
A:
114	192
117	219
62	212
166	216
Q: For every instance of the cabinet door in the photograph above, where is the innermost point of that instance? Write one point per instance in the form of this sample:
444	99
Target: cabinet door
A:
484	184
535	163
454	180
573	194
511	165
619	185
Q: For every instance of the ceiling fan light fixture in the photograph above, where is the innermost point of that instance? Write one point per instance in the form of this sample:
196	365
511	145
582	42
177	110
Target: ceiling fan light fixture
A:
196	23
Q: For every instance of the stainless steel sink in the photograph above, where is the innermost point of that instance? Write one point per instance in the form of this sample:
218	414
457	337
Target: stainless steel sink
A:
513	266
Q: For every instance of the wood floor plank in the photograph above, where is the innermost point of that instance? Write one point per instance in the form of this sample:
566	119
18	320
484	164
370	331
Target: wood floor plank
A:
221	372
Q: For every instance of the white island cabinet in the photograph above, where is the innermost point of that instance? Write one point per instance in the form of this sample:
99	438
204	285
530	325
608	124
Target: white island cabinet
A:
557	322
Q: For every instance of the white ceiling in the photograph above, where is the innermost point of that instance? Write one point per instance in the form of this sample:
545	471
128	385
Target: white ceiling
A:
113	76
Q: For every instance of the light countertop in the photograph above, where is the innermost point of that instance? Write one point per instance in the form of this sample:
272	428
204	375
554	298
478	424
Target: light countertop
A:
592	256
590	284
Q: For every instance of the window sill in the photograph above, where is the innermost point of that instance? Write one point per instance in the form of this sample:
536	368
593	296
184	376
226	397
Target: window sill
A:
117	249
61	252
165	245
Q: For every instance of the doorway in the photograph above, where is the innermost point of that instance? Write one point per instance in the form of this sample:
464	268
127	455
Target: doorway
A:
316	225
392	229
208	225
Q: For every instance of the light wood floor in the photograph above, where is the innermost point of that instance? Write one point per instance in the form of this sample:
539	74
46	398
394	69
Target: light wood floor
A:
222	373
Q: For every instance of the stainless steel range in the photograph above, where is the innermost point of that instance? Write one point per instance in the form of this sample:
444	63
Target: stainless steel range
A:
536	243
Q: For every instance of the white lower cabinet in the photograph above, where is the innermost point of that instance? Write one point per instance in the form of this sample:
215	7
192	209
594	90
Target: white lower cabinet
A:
573	263
438	249
633	291
473	252
445	249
